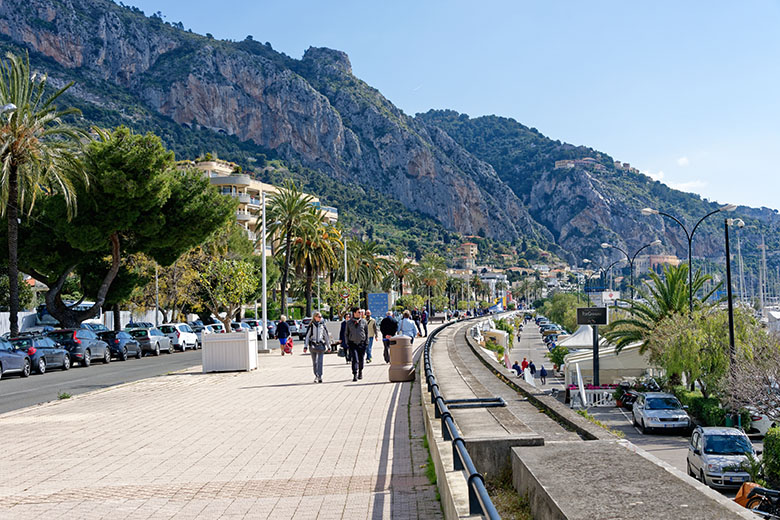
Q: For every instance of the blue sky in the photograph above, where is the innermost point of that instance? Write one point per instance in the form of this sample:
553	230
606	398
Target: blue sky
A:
685	91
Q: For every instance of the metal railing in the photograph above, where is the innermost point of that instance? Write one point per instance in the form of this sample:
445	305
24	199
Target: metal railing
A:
479	500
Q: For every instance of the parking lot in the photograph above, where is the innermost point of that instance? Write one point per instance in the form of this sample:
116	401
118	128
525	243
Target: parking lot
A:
671	448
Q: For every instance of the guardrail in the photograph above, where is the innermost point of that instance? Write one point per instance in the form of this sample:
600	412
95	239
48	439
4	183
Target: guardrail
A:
479	500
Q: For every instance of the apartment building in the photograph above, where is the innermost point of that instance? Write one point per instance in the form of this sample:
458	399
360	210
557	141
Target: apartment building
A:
232	182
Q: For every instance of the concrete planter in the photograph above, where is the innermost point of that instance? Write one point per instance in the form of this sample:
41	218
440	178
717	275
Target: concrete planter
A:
236	351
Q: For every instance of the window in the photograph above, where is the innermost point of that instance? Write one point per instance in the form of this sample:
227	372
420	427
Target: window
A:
139	333
663	403
727	445
167	329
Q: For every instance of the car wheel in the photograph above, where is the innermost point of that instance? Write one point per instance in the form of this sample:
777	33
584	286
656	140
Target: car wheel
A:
690	469
642	427
41	368
157	349
138	353
170	349
107	355
66	362
701	477
26	368
1	371
123	356
87	359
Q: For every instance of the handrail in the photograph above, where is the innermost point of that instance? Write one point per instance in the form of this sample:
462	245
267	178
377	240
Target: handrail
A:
479	500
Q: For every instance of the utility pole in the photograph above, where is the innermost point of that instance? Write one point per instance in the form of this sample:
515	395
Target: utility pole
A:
156	297
265	290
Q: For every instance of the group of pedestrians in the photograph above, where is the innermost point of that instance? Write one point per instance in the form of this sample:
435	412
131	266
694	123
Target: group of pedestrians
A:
358	332
529	364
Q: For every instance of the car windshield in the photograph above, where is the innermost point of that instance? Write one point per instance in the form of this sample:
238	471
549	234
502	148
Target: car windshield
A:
663	403
168	328
138	333
727	445
63	335
22	343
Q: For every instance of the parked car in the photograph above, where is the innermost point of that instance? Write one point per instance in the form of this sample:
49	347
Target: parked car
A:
272	328
82	345
256	325
759	423
121	344
140	325
181	335
94	327
294	331
300	329
13	361
200	330
239	326
716	454
218	327
43	351
657	410
151	340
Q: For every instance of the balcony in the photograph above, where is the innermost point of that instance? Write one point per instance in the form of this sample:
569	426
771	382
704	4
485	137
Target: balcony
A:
243	216
243	198
231	180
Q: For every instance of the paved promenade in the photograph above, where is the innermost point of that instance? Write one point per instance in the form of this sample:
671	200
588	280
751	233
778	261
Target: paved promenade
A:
265	444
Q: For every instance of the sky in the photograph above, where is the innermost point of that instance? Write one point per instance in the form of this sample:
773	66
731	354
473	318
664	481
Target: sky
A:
685	91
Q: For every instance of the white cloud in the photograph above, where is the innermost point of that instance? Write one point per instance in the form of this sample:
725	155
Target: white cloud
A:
690	186
683	161
655	176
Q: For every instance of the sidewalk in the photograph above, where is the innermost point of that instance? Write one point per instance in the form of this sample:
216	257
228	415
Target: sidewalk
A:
265	444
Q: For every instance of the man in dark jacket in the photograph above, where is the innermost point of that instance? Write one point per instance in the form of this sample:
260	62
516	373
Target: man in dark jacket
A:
416	320
388	327
343	336
424	321
357	340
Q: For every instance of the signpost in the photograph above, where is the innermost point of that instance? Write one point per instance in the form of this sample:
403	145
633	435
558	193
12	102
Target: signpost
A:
593	316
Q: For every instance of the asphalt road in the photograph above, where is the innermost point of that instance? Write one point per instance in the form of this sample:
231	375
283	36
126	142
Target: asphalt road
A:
17	392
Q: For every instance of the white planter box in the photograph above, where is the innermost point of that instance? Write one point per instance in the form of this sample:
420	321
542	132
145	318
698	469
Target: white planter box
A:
236	351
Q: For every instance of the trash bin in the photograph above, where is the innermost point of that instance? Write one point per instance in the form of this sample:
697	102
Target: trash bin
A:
401	365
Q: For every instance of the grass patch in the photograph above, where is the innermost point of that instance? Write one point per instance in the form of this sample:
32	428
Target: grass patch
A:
509	503
589	417
64	395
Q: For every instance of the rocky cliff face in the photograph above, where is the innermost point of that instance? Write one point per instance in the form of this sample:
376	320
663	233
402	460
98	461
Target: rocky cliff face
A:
314	110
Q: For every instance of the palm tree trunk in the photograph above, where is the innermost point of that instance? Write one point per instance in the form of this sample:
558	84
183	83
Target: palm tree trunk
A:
13	250
285	271
401	284
309	288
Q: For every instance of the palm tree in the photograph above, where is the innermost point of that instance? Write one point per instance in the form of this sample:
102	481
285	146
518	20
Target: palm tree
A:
37	154
315	250
399	267
287	211
432	274
664	297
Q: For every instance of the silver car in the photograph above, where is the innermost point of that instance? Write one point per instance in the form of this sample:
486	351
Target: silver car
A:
716	454
656	410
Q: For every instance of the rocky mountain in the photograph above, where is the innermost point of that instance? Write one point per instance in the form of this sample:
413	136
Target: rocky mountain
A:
313	110
490	176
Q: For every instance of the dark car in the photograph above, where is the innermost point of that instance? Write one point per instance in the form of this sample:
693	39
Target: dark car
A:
12	360
94	327
44	352
121	344
151	340
139	325
83	345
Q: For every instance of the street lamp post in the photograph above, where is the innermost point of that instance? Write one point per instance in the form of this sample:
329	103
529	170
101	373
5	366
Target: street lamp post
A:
689	236
345	261
732	347
265	290
631	260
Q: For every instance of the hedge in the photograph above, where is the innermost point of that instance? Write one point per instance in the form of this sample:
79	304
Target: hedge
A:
772	457
706	410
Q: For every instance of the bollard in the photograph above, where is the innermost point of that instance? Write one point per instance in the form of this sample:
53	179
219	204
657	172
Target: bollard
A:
401	367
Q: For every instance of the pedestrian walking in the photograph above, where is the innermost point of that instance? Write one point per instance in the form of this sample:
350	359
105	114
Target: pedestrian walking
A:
373	334
516	367
357	339
407	328
524	364
543	375
424	321
532	367
416	320
282	332
388	327
343	336
317	340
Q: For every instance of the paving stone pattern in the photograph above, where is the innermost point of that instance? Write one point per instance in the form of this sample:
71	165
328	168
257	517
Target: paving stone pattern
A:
266	444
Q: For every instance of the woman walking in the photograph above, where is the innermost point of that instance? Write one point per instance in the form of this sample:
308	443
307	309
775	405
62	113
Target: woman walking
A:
407	326
282	332
317	340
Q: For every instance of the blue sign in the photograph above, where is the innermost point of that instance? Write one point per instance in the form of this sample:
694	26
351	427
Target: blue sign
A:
378	304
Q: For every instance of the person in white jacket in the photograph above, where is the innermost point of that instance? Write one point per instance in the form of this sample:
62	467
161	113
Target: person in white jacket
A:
407	326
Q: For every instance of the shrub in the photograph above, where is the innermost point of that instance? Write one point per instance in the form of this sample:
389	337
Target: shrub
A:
706	411
772	457
557	355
